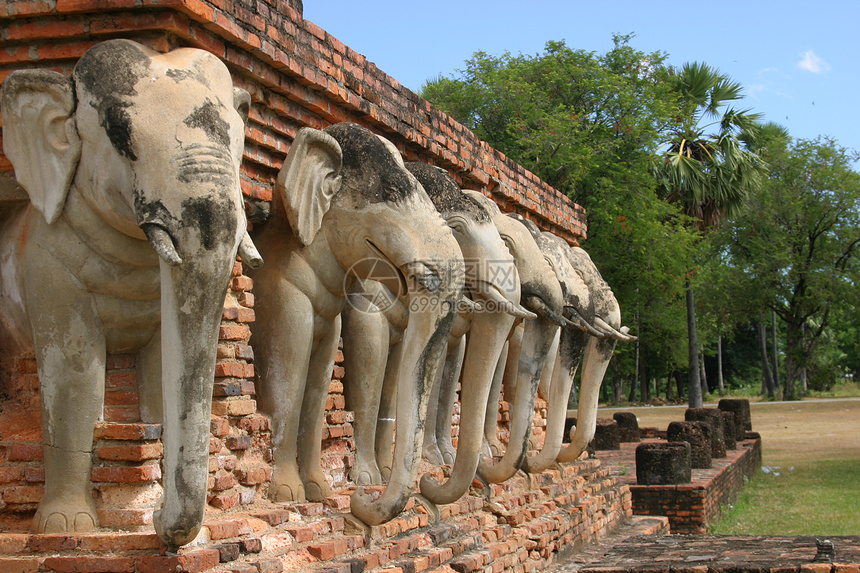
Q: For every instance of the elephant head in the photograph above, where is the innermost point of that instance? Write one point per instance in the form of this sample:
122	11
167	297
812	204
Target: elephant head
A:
493	284
138	149
371	339
347	208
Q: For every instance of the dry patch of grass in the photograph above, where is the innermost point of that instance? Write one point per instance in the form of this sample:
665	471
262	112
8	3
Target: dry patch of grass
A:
820	440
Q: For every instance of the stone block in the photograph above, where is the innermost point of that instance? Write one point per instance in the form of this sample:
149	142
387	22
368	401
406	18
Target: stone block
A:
628	426
663	463
698	435
714	417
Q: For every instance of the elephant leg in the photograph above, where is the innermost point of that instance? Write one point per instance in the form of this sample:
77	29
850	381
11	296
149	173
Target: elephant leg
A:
547	376
70	356
447	398
148	363
313	413
282	367
431	448
366	345
493	446
385	422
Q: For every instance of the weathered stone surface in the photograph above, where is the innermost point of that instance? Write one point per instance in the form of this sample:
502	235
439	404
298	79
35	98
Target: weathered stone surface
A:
741	409
714	417
698	435
628	426
663	463
606	436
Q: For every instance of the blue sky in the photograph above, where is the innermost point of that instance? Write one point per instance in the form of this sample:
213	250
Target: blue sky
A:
799	61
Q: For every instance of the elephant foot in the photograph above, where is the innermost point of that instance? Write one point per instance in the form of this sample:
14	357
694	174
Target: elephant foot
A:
449	454
433	454
316	490
64	516
365	474
287	487
385	472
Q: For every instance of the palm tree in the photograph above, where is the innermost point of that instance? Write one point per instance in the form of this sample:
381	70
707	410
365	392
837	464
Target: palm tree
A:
706	167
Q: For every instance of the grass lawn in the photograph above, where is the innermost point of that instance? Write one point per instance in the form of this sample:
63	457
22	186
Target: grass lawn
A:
820	440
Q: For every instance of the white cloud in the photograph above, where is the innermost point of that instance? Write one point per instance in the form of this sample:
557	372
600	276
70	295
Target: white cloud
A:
813	63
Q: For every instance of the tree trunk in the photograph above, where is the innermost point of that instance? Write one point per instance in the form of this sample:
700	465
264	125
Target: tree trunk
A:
794	359
645	383
679	383
633	385
669	386
704	375
720	383
693	380
617	386
776	380
767	378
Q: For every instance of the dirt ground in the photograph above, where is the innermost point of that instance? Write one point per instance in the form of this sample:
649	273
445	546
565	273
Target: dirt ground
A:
793	432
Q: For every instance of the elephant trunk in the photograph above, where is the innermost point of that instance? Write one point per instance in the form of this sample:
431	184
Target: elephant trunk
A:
424	343
598	352
537	341
487	336
571	348
192	301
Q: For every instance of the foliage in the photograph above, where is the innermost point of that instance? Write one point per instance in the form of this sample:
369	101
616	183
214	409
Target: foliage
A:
587	124
796	248
673	177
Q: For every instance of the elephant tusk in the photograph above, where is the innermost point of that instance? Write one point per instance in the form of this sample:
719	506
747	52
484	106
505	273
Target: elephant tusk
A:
540	307
161	241
614	333
579	322
497	300
249	254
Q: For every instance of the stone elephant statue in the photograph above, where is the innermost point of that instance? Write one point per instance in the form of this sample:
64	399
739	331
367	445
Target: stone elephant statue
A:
559	373
543	298
346	208
371	339
598	353
126	246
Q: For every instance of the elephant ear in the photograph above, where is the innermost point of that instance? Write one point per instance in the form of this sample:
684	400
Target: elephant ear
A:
40	137
242	103
308	180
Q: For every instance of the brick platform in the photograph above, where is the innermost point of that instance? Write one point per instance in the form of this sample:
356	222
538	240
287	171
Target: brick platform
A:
692	507
524	524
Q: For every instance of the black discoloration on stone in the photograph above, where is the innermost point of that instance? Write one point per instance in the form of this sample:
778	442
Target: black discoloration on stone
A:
214	218
117	123
207	118
369	169
446	195
109	72
194	74
153	212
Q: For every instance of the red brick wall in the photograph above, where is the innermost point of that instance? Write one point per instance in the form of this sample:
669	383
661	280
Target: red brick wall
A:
298	75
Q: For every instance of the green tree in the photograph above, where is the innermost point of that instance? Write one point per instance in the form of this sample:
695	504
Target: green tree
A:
706	168
587	124
799	244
